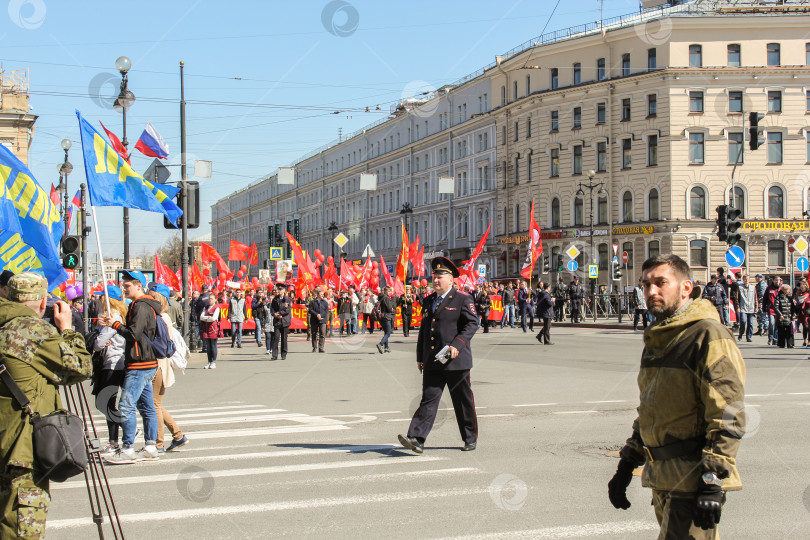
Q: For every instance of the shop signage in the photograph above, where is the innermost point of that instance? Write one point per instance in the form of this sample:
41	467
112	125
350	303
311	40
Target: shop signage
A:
776	225
587	232
636	229
524	238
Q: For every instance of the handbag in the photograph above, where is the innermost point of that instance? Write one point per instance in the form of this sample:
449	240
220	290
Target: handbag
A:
59	443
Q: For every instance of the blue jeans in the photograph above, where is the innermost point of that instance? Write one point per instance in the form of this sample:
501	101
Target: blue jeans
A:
508	315
773	334
137	392
258	331
236	332
762	320
386	327
746	321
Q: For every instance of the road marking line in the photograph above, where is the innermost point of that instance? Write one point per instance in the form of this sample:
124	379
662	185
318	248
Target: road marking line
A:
261	431
223	414
607	401
451	408
274	506
535	405
796	393
199	409
253	471
761	395
568	531
574	412
477	416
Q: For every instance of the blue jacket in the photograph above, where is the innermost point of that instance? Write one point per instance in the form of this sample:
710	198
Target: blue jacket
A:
545	306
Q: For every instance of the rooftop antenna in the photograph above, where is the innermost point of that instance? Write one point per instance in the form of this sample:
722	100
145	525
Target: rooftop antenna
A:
340	134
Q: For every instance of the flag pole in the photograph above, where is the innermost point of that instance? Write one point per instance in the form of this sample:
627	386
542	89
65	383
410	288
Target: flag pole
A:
101	260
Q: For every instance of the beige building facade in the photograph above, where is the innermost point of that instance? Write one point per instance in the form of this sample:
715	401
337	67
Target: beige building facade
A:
16	120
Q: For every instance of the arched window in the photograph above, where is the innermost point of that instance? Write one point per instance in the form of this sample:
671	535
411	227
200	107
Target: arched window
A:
579	211
698	255
603	257
555	212
653	211
776	203
628	247
738	197
653	249
697	202
776	253
627	206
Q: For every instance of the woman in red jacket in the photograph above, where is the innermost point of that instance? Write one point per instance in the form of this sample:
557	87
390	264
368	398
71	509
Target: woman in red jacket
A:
210	330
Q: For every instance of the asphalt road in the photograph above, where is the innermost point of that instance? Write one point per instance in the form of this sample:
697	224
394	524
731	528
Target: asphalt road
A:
307	447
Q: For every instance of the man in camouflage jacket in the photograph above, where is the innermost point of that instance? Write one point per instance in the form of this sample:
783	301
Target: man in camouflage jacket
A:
40	358
691	415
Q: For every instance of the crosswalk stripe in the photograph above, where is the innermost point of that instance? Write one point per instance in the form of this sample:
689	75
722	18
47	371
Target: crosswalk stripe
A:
588	530
219	413
265	431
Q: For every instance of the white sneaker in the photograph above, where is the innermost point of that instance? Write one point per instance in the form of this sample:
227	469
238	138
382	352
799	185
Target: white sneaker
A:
207	366
268	352
212	365
147	455
108	449
122	457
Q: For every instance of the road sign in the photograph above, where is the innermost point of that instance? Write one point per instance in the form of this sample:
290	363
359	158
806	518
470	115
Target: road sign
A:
791	247
572	265
616	259
593	271
341	239
802	264
390	267
572	252
482	270
368	252
481	281
625	257
157	172
801	244
276	253
735	256
615	249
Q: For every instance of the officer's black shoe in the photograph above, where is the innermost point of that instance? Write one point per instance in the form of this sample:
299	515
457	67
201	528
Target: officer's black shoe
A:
411	443
539	338
469	447
274	358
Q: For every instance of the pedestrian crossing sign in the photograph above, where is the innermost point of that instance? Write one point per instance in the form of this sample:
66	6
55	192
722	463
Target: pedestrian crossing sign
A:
593	271
276	253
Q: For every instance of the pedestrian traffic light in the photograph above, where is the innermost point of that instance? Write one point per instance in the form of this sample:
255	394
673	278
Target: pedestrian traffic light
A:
732	224
617	271
560	266
192	215
546	264
755	131
71	251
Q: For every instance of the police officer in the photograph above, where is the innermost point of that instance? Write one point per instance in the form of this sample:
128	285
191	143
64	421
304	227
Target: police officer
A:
560	296
281	311
318	311
448	319
576	293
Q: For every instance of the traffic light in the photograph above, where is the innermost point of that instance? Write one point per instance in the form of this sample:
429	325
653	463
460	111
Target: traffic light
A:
193	210
617	271
722	223
755	131
546	264
71	251
560	266
732	224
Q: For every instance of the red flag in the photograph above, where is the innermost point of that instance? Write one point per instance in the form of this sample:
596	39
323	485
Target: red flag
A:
364	279
330	276
253	254
413	250
164	275
116	143
419	263
402	259
196	278
54	196
238	251
388	279
346	275
209	254
399	288
468	268
305	269
535	247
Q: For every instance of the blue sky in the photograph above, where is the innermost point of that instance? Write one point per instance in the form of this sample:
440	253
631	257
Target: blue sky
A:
263	79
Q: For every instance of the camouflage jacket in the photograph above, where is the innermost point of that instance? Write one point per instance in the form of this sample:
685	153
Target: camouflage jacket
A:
691	382
39	359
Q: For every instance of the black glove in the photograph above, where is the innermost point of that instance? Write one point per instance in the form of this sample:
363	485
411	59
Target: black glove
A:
708	506
617	487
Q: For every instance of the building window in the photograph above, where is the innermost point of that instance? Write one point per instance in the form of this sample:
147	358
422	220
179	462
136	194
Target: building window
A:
528	128
579	211
774	101
528	167
695	56
517	170
652	150
514	90
807	54
738	198
652	205
776	253
555	121
600	69
601	156
602	211
625	64
697	203
698	255
735	147
774	147
696	155
734	55
503	95
577	73
626	110
627	207
735	101
577	168
577	118
651	60
774	54
555	213
601	110
554	163
555	78
776	202
807	100
627	247
627	147
528	85
695	102
653	249
652	105
504	167
516	131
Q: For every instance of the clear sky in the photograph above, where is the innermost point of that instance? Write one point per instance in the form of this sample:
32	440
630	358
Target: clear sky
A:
263	79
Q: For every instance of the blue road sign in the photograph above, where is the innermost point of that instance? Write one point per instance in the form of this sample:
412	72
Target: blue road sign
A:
593	271
572	265
735	256
802	264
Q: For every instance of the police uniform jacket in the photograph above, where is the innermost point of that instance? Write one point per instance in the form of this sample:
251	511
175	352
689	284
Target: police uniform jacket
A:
281	306
453	323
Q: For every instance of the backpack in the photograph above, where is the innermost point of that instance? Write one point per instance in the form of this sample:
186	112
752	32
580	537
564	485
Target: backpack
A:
162	343
179	359
376	312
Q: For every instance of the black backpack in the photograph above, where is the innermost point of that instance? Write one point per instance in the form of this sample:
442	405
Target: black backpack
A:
162	343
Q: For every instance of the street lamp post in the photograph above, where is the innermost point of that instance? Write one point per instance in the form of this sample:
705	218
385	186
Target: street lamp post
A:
123	102
591	187
406	211
333	229
65	168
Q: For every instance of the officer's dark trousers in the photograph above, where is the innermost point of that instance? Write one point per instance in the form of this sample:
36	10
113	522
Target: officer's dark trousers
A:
559	309
279	337
545	332
575	312
433	383
406	324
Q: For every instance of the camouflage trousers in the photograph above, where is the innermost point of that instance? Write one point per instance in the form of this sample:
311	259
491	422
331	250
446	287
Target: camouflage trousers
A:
675	514
25	504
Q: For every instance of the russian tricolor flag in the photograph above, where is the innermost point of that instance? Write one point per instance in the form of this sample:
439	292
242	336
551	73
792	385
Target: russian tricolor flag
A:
152	144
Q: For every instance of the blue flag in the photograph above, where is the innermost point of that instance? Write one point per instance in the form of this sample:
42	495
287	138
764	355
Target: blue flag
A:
32	243
112	181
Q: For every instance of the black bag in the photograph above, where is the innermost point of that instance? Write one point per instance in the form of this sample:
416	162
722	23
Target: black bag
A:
59	444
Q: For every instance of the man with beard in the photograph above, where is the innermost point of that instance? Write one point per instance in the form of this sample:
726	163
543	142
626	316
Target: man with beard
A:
691	416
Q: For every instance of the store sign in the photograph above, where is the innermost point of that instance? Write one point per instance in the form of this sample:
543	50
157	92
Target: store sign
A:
587	232
638	229
775	226
524	238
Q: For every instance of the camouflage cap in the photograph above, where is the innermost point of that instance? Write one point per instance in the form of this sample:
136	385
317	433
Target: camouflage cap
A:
27	286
